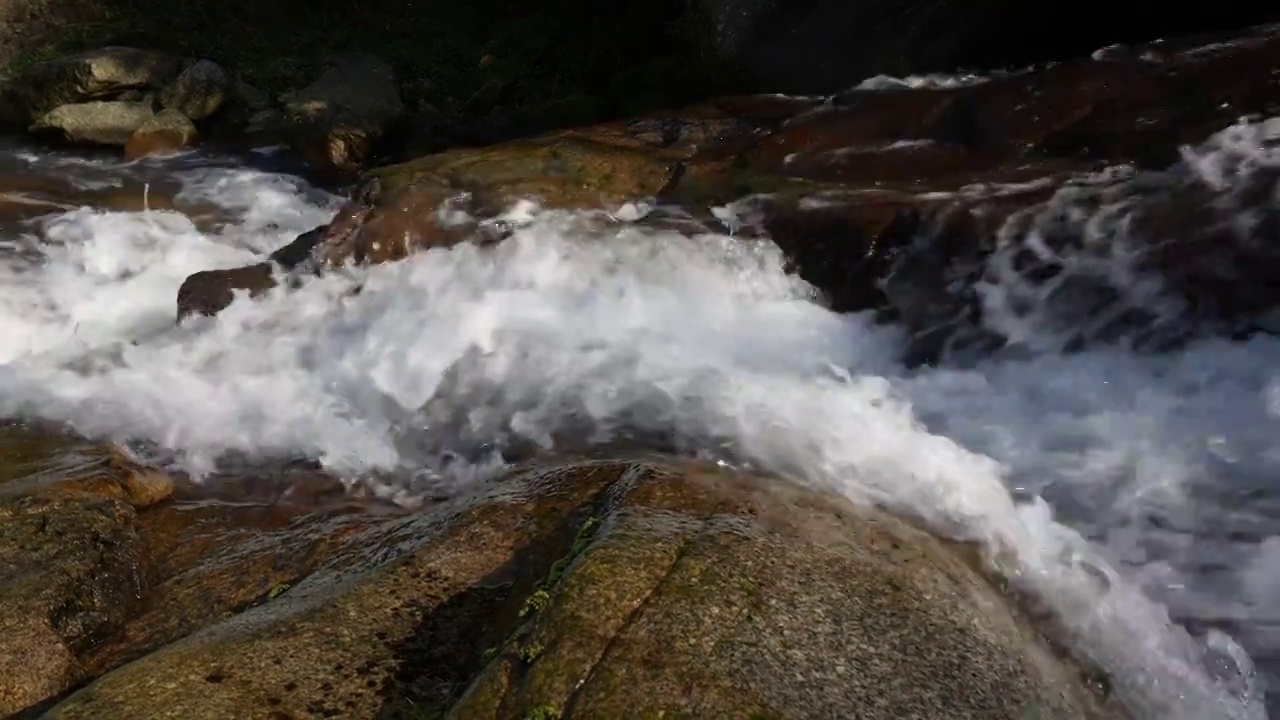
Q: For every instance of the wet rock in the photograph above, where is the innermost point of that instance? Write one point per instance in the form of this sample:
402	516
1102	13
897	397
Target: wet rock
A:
75	79
210	291
166	132
336	121
198	91
103	560
104	122
71	559
617	588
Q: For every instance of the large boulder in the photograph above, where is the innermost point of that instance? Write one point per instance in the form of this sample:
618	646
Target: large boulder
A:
336	121
198	91
70	556
73	79
104	122
619	589
103	560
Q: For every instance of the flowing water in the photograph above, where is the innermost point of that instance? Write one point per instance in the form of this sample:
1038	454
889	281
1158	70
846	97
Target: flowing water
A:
1133	494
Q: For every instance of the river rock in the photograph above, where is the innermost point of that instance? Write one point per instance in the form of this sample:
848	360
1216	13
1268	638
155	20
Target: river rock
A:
198	91
167	131
103	560
93	75
70	555
618	589
107	122
209	291
337	120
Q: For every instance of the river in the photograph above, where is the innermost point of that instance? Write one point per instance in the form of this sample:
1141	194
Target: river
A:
1135	494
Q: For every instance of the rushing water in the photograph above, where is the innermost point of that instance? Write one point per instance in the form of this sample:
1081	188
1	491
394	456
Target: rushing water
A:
1122	490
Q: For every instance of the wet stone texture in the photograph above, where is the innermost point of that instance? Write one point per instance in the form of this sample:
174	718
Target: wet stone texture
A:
897	200
608	588
103	560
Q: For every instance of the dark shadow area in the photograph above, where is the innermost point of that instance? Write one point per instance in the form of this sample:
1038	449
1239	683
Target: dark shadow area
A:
459	58
454	641
826	45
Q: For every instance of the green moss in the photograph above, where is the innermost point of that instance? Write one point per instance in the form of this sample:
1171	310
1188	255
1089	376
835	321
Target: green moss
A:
522	55
536	601
277	591
543	712
531	652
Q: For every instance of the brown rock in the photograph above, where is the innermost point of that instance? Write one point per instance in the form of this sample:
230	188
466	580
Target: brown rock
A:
99	565
613	589
71	561
167	132
208	292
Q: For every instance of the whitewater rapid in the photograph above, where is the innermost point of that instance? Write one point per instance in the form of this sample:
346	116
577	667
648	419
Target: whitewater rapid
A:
1116	488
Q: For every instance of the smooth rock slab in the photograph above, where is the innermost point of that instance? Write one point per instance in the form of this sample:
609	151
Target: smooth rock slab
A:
620	589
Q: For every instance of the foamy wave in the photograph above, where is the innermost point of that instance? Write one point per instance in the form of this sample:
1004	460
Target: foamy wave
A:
932	81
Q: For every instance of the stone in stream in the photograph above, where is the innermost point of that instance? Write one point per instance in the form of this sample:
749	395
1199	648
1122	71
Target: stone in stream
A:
566	588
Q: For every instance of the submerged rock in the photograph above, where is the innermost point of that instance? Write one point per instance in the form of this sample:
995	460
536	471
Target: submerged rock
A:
611	589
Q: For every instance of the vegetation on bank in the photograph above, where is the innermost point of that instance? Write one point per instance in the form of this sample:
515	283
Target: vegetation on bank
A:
464	59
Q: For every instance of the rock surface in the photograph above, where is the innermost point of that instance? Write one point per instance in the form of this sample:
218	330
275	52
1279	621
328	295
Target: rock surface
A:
70	556
564	589
108	122
198	91
336	121
167	131
92	75
103	560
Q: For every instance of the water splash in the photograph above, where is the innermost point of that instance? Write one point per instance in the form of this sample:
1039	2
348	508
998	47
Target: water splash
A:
576	328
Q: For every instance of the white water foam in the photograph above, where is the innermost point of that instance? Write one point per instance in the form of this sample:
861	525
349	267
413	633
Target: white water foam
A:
931	81
560	329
